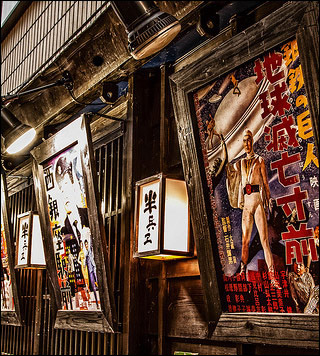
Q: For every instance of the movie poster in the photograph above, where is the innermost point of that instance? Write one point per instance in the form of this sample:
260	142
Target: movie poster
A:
262	174
72	240
7	303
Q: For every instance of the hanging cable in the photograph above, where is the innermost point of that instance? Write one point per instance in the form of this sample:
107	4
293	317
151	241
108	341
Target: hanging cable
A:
80	102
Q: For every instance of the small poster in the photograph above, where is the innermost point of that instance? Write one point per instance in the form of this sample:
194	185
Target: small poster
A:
7	302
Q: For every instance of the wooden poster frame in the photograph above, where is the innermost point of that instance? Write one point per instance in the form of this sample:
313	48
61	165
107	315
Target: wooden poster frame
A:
76	133
294	19
10	317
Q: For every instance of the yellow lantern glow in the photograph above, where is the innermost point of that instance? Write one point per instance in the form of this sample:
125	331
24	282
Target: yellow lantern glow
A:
29	247
162	220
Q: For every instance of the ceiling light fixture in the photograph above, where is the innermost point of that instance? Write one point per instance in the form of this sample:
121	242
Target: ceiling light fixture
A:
16	135
149	29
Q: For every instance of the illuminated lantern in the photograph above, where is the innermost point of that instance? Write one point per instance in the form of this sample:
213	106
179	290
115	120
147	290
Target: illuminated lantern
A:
162	219
29	246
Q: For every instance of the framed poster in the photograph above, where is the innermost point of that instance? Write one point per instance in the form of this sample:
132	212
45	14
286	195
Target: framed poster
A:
10	301
29	245
247	138
72	229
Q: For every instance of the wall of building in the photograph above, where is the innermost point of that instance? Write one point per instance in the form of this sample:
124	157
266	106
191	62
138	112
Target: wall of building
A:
160	305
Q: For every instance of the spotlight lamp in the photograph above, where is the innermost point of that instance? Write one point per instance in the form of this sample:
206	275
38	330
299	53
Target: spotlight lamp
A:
17	135
149	29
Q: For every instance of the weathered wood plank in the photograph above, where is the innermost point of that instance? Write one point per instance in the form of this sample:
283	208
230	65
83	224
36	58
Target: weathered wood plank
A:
186	307
185	268
79	320
200	348
239	49
296	330
9	318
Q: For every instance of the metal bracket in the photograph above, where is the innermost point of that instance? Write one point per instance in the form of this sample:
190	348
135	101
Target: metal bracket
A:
66	80
106	116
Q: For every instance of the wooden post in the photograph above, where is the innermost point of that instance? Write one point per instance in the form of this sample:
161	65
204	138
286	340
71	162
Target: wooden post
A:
37	327
162	309
162	282
163	121
129	334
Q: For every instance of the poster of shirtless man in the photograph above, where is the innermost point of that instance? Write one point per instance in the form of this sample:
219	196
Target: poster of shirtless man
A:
262	174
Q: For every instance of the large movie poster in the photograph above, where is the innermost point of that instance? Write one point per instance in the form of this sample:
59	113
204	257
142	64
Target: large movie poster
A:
71	233
263	177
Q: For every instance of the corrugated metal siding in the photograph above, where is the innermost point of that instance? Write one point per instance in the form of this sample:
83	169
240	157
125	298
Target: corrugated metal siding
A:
21	340
43	31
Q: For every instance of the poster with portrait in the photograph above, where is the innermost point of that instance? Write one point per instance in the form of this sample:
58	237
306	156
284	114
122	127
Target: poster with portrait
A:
7	302
72	229
10	305
71	233
262	174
